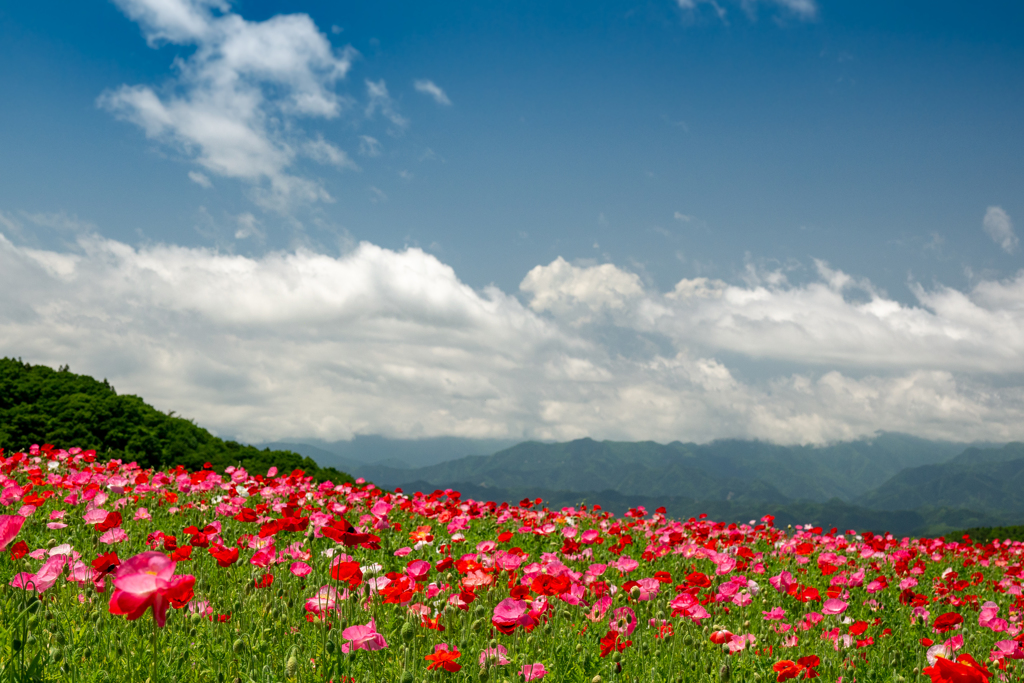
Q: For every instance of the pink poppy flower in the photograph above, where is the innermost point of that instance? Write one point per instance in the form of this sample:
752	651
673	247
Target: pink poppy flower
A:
363	637
10	525
300	569
494	655
834	606
147	580
533	672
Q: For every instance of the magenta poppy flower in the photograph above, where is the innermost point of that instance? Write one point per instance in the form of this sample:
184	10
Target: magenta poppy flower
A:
300	569
10	525
148	580
363	637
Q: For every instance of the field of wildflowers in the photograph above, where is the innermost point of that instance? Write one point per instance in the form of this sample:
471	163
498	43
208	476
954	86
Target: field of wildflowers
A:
110	572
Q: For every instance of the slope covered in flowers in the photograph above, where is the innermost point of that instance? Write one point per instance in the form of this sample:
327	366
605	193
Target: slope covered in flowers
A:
111	572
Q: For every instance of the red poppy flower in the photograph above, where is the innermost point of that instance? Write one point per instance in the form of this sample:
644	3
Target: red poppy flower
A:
443	658
347	572
112	521
19	550
264	581
964	670
106	563
610	643
225	556
504	537
182	553
947	622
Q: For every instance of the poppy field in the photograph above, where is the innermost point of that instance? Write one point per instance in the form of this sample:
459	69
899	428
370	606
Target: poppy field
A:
111	572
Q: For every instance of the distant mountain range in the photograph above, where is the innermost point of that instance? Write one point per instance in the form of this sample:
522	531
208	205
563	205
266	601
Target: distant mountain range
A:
889	482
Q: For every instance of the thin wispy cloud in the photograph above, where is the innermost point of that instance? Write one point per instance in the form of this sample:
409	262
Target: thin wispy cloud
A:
380	100
430	88
377	341
999	227
237	103
804	10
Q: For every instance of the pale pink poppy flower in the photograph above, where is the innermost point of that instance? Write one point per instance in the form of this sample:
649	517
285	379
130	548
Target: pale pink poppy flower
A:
533	672
623	619
402	552
363	637
834	606
142	514
496	655
26	510
325	600
57	515
775	613
115	535
56	525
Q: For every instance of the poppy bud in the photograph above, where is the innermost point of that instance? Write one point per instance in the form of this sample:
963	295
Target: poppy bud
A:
406	677
330	647
238	646
634	592
483	675
616	657
408	631
595	679
725	673
291	667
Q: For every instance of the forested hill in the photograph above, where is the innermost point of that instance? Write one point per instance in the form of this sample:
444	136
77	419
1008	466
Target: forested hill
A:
41	405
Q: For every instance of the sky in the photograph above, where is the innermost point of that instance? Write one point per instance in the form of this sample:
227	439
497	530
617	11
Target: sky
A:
788	220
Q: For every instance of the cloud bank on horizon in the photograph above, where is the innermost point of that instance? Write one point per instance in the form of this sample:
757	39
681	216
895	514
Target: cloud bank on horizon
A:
377	341
302	342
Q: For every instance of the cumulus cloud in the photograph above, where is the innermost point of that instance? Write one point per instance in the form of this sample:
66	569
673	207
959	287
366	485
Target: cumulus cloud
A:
236	104
374	341
430	88
836	320
998	226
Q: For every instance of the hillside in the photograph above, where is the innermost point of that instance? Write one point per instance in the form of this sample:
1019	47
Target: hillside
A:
988	480
41	405
724	470
874	484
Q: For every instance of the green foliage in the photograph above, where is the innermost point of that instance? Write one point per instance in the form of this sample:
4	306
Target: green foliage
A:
41	405
990	533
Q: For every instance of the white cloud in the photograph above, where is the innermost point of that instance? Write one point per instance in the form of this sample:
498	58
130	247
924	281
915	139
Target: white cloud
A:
200	179
382	342
369	146
325	153
380	100
806	10
834	321
238	99
430	88
998	226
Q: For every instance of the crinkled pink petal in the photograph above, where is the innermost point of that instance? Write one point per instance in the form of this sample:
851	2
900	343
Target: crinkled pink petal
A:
10	525
300	569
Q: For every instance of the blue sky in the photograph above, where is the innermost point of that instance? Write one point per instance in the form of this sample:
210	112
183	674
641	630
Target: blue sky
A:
781	219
